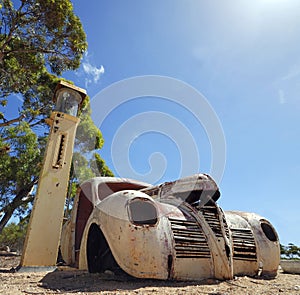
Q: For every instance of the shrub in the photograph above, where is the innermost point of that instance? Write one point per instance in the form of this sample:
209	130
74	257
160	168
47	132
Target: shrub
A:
13	236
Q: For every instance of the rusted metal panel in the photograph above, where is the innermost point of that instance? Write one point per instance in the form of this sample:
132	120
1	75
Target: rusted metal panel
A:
147	247
268	248
254	252
192	253
198	182
86	199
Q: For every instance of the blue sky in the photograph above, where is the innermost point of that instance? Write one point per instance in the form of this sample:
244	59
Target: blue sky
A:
225	97
242	56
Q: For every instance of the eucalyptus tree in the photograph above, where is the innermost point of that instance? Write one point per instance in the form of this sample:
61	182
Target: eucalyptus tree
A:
39	40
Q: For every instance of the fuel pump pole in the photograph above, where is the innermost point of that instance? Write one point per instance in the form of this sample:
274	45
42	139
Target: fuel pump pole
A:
43	234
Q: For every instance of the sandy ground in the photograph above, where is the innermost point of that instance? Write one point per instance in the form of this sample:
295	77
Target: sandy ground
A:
71	281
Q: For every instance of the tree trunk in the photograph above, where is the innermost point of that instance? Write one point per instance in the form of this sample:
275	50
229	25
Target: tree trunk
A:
1	57
4	220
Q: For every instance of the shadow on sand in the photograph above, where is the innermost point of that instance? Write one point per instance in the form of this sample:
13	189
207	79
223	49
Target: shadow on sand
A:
82	281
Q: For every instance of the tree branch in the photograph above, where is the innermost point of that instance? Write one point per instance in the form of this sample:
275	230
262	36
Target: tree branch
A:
14	26
4	149
17	201
7	123
38	50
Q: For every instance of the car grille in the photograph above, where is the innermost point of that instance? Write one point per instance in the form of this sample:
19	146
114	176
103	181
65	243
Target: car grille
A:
190	241
244	247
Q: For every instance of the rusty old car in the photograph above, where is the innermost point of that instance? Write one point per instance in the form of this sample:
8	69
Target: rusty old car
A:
172	231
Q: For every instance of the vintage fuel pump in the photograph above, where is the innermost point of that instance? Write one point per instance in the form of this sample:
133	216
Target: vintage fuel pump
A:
44	229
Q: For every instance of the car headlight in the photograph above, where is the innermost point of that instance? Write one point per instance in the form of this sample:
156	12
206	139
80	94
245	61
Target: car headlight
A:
269	231
142	211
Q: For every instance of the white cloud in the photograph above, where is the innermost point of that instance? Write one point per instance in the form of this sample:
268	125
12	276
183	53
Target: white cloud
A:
92	72
282	98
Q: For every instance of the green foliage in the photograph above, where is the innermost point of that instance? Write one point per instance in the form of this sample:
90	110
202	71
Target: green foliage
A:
21	164
35	36
290	251
19	167
13	236
99	167
88	136
83	169
80	168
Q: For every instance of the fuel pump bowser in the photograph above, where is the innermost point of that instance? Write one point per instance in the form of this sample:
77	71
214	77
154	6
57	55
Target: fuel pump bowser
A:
43	234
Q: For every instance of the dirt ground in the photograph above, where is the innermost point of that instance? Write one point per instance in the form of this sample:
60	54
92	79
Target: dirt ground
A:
66	280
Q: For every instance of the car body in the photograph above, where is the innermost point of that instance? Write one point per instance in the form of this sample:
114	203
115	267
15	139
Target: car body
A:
172	231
